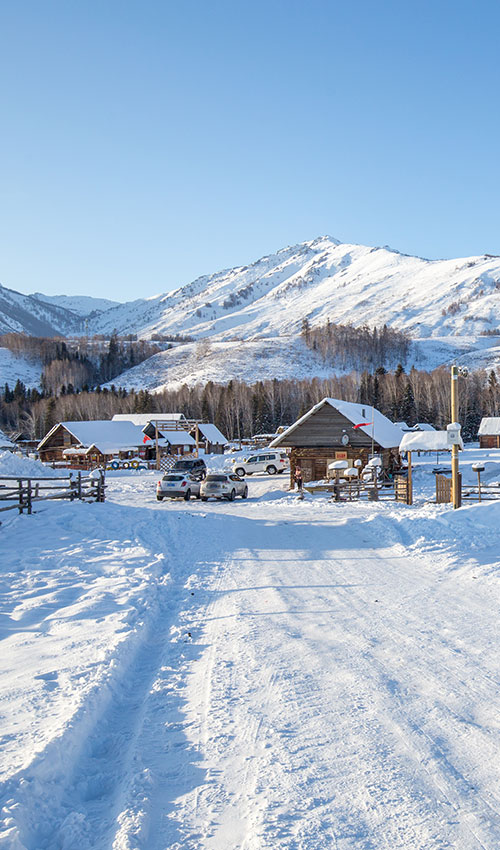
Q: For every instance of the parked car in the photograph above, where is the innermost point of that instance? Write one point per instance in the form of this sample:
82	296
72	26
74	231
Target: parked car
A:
271	462
178	485
194	465
222	485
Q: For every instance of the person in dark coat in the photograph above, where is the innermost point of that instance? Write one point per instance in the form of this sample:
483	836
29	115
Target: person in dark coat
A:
297	478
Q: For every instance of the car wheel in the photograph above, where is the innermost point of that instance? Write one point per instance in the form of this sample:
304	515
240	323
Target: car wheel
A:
159	498
204	498
240	471
232	495
245	493
187	495
271	470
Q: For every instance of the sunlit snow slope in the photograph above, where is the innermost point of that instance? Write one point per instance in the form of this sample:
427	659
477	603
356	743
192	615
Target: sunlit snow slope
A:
323	279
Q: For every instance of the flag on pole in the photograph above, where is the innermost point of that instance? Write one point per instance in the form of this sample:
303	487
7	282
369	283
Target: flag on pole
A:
146	438
361	424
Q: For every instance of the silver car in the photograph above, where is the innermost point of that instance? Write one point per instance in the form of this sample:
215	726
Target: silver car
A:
176	485
222	485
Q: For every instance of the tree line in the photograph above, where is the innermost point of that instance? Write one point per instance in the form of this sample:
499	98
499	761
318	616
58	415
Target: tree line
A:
346	347
242	410
83	363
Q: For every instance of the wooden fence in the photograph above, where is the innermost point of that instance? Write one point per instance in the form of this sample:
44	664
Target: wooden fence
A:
22	493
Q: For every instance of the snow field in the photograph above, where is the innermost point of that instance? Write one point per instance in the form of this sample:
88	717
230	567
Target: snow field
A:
261	674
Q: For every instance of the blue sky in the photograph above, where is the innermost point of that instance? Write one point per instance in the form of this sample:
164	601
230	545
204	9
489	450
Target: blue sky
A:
145	143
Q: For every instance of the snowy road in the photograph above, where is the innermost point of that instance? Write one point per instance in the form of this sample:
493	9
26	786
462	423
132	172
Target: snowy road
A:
262	674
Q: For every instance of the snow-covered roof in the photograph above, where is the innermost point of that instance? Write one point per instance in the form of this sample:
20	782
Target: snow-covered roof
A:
102	432
212	433
490	426
383	431
5	443
178	438
423	426
144	418
403	426
426	441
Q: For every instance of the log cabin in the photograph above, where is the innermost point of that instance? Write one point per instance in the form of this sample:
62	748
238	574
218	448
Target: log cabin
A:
339	430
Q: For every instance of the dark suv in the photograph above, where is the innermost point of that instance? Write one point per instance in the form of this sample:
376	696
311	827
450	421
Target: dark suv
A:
196	466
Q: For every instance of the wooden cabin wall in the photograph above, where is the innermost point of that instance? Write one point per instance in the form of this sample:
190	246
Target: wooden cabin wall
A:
325	427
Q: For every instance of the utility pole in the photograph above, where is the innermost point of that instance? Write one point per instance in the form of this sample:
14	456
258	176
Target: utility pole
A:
455	478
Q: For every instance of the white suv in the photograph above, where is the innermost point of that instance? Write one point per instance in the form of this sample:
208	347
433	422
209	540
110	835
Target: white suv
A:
270	462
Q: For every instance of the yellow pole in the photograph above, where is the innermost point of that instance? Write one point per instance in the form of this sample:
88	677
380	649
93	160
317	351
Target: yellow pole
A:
454	448
157	446
410	482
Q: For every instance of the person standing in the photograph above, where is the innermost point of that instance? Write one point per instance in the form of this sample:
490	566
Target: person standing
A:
297	477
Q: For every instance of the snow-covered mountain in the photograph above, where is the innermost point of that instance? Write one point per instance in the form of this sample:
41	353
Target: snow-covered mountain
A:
450	307
82	305
322	280
35	316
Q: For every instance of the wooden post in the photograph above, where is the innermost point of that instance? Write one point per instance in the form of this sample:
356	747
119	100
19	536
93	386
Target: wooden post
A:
197	432
454	449
79	484
156	445
29	496
20	488
479	484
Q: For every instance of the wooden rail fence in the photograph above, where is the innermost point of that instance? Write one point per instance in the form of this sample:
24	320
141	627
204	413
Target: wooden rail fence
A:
21	493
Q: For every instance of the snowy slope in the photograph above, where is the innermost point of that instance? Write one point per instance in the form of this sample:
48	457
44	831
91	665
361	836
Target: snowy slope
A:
13	368
213	360
82	305
36	317
301	675
324	279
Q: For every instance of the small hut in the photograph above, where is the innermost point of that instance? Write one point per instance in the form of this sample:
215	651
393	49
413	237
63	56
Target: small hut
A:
339	430
489	433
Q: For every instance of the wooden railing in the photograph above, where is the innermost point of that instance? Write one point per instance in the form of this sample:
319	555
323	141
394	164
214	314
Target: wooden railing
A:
22	493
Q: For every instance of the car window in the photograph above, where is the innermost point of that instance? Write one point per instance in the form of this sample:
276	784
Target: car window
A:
173	477
252	460
216	478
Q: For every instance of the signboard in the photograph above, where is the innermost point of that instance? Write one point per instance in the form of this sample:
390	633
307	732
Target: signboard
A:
340	455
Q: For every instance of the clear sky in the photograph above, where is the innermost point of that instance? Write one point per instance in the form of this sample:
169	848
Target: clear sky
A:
146	142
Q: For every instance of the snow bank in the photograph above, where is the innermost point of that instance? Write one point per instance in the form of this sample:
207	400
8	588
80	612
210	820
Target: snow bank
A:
12	464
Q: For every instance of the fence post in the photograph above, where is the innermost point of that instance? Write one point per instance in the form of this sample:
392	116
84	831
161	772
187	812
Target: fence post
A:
79	484
29	496
20	488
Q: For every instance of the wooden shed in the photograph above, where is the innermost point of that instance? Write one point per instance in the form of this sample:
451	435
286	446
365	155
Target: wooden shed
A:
339	430
489	432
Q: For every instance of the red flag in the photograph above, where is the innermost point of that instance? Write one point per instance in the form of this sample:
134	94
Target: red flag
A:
361	424
146	438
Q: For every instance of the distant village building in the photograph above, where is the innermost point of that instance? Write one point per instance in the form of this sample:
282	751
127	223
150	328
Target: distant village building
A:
489	432
210	439
202	434
423	426
339	430
91	443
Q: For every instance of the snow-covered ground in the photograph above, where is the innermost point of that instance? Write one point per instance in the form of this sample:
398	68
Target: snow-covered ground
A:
269	673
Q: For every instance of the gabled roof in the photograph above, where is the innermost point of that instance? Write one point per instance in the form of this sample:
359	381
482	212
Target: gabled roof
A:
100	433
212	433
178	438
490	426
144	418
383	431
423	426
